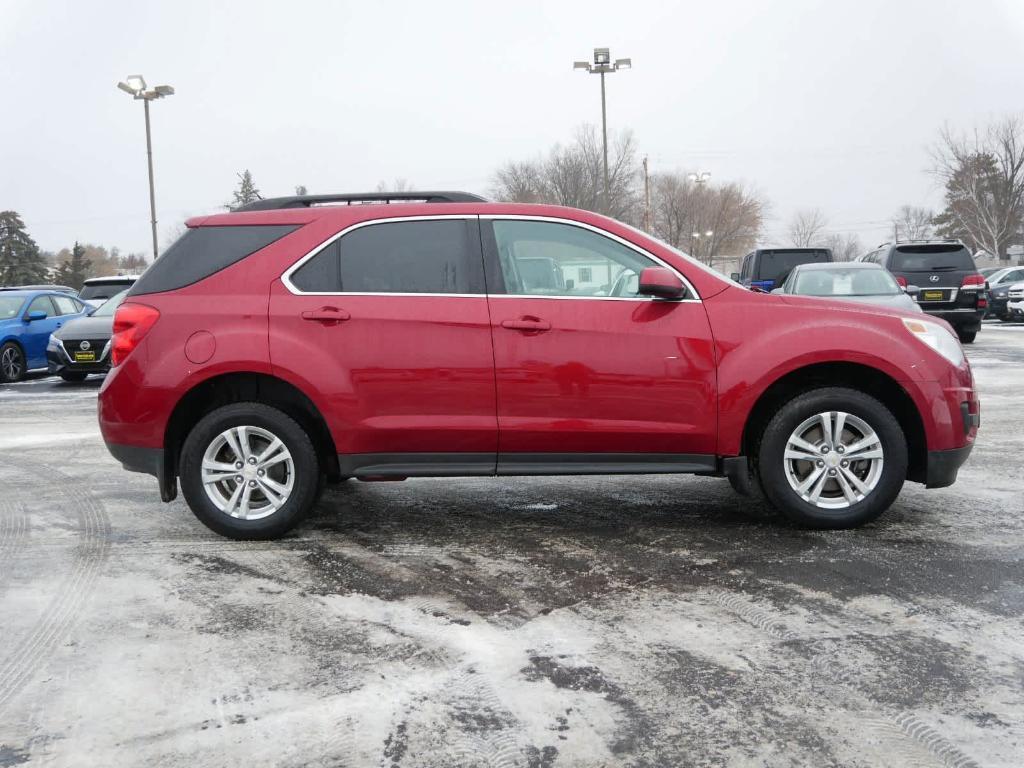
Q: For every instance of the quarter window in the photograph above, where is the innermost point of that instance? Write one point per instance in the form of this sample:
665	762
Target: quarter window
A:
434	256
542	258
66	305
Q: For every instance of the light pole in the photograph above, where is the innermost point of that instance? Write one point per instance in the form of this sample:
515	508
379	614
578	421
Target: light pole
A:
603	65
136	86
707	234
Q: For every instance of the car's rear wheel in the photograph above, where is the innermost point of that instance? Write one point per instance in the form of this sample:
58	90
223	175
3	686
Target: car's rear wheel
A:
73	376
12	363
249	471
967	337
832	458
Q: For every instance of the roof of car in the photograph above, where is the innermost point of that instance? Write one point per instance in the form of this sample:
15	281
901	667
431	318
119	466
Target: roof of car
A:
25	293
823	265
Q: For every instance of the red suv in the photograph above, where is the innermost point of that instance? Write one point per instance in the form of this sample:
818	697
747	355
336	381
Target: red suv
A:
301	339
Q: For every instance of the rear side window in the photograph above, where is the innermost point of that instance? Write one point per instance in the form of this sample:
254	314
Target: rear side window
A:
66	305
439	256
201	252
937	257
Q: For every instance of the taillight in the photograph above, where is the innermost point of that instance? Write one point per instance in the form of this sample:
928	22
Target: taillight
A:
982	302
131	323
973	282
902	281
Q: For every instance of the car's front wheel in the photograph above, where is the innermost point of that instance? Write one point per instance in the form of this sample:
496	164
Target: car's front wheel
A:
967	337
249	471
832	458
12	363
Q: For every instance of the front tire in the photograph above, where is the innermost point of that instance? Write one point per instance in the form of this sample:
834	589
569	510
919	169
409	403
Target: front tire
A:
249	471
832	458
12	363
967	337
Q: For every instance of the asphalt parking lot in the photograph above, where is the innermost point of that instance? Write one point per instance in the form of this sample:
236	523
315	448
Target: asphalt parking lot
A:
610	621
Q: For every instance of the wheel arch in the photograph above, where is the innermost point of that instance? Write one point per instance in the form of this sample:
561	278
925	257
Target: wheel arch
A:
863	378
236	387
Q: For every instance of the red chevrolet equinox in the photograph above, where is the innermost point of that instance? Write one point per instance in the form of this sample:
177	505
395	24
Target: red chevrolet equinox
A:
309	339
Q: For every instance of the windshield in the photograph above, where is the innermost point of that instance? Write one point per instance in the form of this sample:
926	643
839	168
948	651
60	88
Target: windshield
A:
110	306
774	264
846	282
943	257
9	306
98	291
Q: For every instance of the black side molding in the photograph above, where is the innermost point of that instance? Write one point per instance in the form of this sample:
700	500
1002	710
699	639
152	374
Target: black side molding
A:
944	465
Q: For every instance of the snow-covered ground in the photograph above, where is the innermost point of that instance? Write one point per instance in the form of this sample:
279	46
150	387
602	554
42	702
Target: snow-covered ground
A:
518	622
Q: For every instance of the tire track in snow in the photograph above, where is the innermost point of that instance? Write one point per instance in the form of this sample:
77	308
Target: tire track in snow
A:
31	651
906	723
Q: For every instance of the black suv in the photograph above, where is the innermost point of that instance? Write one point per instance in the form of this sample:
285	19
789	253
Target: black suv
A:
766	268
942	276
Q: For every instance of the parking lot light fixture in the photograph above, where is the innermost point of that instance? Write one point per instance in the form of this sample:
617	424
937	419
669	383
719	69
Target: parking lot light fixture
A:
135	85
603	65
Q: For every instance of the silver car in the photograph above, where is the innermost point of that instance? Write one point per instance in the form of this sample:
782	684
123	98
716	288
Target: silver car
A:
850	281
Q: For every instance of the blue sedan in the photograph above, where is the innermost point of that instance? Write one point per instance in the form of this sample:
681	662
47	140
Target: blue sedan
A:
27	318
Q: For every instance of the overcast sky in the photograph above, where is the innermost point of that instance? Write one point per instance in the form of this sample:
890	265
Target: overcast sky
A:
826	104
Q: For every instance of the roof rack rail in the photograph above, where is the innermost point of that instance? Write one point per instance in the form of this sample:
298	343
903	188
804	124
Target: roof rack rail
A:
898	241
309	201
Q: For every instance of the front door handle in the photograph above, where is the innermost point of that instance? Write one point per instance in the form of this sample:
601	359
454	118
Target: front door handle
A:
326	315
527	323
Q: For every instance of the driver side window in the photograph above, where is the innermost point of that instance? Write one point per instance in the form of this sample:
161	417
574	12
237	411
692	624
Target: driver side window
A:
41	304
543	258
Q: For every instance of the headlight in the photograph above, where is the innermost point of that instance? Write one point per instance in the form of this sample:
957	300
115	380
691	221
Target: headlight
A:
53	344
938	338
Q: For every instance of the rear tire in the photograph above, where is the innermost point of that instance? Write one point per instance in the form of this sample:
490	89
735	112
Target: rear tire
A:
73	376
12	363
249	471
828	490
967	337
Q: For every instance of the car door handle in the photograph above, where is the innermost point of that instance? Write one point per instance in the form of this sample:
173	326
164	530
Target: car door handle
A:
326	315
527	324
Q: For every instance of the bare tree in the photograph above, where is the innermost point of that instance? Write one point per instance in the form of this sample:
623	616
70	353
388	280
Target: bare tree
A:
573	175
984	178
398	185
844	247
807	227
684	213
913	223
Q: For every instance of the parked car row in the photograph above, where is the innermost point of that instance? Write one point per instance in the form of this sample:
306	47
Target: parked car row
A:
938	276
48	326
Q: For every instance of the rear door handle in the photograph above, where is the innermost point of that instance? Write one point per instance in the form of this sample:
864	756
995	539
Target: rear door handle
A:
326	315
527	324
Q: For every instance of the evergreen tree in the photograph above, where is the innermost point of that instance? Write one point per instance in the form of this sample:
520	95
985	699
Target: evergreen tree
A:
21	263
75	269
246	192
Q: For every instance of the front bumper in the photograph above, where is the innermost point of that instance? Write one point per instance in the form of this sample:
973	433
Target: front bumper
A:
1015	308
57	361
944	465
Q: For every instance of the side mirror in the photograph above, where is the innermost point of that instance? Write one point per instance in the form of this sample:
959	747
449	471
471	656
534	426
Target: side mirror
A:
912	290
735	276
661	283
37	315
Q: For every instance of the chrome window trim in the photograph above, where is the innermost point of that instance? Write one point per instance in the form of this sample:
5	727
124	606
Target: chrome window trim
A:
286	277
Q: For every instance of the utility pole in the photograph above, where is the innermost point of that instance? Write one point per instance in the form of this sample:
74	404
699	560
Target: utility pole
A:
136	87
603	65
647	198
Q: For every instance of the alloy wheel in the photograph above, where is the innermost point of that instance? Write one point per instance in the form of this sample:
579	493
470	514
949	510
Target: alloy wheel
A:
833	460
248	472
11	363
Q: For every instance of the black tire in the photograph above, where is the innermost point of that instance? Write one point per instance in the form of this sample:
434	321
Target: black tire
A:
12	363
73	376
967	337
772	468
296	440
